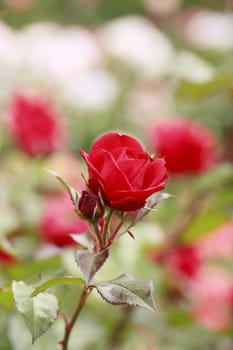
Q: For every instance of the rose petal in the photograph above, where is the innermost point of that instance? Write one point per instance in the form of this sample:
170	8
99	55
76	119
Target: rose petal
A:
127	204
110	172
132	168
112	141
155	173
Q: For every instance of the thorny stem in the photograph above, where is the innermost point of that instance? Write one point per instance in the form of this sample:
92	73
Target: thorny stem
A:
85	294
106	224
98	235
115	231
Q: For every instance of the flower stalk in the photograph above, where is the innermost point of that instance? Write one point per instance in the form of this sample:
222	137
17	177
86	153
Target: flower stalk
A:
69	326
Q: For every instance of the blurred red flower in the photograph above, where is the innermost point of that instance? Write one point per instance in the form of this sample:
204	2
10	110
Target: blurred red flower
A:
188	148
35	125
59	220
183	261
6	258
123	172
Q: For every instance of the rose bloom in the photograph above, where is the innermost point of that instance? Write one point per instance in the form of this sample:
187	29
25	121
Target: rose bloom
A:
183	261
6	258
59	220
123	172
187	147
35	125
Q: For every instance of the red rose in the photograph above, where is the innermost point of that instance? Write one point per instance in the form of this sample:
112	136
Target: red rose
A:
35	126
59	221
188	148
183	261
123	172
6	258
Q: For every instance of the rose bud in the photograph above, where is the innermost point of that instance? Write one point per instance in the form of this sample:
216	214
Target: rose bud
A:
90	206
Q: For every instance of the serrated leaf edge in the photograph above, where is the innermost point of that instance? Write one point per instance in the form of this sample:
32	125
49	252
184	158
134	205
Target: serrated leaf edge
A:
34	338
91	276
146	306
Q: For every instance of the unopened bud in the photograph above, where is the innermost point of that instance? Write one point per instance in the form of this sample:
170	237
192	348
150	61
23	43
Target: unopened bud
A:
90	206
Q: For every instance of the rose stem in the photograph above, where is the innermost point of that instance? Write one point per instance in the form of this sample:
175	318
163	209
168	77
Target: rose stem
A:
84	295
106	224
98	235
115	231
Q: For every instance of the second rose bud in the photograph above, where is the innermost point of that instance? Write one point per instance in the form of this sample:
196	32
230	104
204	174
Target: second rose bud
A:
90	206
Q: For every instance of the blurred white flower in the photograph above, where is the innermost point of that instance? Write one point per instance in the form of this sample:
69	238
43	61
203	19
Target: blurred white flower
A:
96	89
60	53
10	52
150	102
210	30
137	42
189	66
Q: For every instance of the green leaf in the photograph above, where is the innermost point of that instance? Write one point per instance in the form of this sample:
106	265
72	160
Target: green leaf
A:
151	203
39	312
203	224
56	282
188	90
89	263
126	290
74	195
6	297
27	270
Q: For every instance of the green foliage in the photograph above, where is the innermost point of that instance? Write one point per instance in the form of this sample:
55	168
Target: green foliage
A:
39	312
56	282
34	268
197	91
126	290
89	263
6	297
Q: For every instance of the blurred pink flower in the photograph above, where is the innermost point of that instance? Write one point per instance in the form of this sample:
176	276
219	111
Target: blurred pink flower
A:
218	243
188	148
59	221
211	297
35	125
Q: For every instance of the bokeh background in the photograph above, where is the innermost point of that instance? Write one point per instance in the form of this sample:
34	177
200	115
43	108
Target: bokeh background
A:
73	70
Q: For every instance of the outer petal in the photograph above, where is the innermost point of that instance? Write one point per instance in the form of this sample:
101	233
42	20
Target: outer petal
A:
94	180
113	178
155	173
127	204
110	177
112	141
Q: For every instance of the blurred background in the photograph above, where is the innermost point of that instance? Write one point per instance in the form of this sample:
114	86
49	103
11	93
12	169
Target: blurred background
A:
160	70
